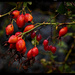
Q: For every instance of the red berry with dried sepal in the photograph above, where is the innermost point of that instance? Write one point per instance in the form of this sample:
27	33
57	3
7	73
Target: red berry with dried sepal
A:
29	54
20	21
15	13
28	27
23	51
13	39
28	18
19	38
35	51
38	37
9	29
20	45
45	42
53	49
46	48
12	46
50	47
63	31
18	33
33	34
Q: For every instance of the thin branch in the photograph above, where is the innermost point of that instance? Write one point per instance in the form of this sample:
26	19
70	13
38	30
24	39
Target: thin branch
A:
7	12
73	4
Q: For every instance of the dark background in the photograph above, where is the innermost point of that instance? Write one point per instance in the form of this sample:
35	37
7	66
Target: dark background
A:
41	11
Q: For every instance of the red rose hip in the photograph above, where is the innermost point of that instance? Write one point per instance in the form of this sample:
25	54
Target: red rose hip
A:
28	27
29	54
28	17
38	37
33	34
20	45
12	46
46	48
45	42
63	31
9	29
18	33
13	39
15	13
20	21
23	51
35	51
53	49
50	47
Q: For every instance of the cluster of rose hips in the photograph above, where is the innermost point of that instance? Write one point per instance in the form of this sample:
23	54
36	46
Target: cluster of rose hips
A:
51	48
18	43
15	41
48	47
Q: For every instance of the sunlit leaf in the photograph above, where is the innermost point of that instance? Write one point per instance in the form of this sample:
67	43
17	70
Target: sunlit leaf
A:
30	3
68	34
25	4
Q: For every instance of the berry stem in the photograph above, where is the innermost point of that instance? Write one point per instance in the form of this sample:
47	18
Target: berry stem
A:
7	12
35	42
40	24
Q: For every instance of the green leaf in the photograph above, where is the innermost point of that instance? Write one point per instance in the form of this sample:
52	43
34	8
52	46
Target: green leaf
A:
62	9
69	26
71	7
33	42
25	4
68	34
73	27
60	68
72	72
73	15
62	44
61	50
30	3
67	68
52	56
50	71
68	4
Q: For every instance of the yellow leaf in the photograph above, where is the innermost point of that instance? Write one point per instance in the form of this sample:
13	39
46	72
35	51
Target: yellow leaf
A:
56	27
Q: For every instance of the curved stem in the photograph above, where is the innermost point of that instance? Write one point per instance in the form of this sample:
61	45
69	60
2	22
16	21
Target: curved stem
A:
7	12
40	24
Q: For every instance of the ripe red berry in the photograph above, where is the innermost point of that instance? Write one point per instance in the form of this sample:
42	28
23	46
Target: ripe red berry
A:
9	29
28	17
23	51
13	39
46	48
38	37
50	47
33	34
20	21
15	13
18	33
29	54
19	38
20	45
63	31
28	27
68	9
35	51
45	42
12	46
53	49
